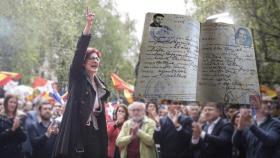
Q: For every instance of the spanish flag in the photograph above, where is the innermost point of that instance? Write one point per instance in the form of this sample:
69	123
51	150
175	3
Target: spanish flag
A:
4	79
268	91
119	84
39	82
13	75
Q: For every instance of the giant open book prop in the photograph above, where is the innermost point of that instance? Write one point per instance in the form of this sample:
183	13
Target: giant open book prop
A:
182	59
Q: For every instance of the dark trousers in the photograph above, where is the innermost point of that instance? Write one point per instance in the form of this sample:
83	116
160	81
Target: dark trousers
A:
91	140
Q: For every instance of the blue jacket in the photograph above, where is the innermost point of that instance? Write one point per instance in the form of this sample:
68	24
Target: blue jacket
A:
41	144
261	141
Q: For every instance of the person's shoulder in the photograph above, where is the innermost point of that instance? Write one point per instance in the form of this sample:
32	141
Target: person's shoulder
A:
3	117
275	121
127	123
225	123
33	125
186	118
149	120
164	120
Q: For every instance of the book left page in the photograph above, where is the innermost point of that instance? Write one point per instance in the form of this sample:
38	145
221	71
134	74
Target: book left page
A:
168	58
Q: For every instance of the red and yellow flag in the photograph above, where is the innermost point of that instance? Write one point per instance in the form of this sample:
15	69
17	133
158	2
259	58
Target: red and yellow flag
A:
119	84
4	79
13	75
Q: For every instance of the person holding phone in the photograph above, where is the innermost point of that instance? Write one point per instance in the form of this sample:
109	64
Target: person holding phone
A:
83	131
259	135
42	133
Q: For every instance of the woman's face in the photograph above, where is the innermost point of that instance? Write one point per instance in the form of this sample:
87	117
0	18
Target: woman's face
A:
121	112
151	107
92	63
12	104
236	119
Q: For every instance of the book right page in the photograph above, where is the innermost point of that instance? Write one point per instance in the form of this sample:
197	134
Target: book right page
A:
227	71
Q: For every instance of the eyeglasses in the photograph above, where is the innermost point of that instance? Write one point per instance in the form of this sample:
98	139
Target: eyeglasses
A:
93	58
136	110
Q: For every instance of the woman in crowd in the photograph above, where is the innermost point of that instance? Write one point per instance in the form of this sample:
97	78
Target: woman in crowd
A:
120	115
11	130
152	111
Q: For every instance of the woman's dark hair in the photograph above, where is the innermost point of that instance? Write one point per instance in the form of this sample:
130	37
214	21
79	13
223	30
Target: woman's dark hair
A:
234	117
116	110
151	102
6	101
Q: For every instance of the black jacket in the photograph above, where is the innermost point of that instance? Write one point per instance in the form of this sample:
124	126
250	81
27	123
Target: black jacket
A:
173	143
261	141
41	144
10	142
79	106
218	143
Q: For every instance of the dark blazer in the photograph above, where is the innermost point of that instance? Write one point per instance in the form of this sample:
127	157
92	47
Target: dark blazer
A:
173	143
10	141
79	106
218	143
261	141
41	144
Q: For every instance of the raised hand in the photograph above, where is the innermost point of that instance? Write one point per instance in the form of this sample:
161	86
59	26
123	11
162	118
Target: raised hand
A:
134	129
89	21
120	119
197	129
245	119
175	117
89	16
16	123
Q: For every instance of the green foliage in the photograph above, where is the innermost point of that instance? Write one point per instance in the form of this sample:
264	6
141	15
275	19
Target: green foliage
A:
39	37
263	16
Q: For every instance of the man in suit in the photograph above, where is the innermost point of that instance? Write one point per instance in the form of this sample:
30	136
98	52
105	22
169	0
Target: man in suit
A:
173	133
213	139
260	137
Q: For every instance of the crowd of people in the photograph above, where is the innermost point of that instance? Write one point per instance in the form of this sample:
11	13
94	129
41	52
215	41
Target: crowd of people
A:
85	128
169	129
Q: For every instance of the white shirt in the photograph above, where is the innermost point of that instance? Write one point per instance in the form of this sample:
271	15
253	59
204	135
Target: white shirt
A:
210	129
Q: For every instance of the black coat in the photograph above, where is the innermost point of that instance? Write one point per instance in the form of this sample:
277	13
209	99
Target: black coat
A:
79	107
218	143
10	141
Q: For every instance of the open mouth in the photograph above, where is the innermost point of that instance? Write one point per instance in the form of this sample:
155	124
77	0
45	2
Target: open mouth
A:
94	66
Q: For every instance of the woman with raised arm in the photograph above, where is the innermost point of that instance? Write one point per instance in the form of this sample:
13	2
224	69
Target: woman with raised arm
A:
83	132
